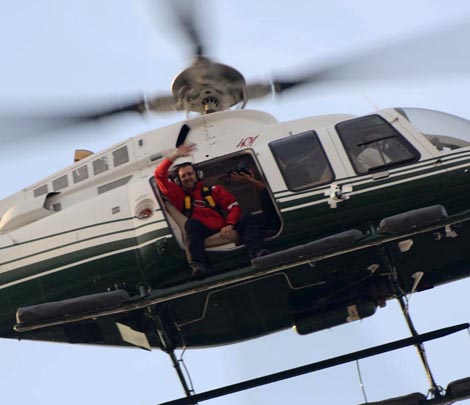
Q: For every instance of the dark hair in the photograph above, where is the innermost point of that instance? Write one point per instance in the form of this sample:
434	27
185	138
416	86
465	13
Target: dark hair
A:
184	164
174	174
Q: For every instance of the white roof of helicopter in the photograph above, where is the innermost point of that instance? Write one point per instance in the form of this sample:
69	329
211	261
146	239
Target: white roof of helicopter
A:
223	124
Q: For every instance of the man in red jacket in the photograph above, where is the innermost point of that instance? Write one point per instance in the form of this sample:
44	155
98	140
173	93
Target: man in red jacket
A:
192	199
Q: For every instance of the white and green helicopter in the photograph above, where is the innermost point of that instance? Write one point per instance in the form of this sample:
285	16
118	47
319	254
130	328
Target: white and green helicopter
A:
355	210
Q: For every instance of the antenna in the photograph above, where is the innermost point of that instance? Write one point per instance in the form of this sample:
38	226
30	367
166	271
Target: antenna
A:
371	102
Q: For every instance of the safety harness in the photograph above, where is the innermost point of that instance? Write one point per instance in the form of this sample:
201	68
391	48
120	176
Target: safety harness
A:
206	202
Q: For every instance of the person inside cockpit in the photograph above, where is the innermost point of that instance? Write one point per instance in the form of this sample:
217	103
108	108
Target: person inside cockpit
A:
373	152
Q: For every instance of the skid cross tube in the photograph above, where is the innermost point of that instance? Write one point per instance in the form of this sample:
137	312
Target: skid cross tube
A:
435	389
168	347
309	368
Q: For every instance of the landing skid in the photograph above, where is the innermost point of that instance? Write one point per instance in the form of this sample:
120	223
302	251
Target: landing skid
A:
335	361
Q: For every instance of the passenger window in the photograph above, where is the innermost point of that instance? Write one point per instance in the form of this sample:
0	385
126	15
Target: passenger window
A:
100	165
120	156
60	183
80	174
372	144
40	190
302	161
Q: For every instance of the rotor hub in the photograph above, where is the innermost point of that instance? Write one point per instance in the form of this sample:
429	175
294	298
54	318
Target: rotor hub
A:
206	87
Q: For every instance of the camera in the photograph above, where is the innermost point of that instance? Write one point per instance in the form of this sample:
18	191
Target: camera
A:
241	168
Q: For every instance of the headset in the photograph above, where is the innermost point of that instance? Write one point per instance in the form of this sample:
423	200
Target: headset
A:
174	176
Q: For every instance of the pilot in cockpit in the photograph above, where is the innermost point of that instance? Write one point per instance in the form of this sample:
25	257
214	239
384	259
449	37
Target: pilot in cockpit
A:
373	152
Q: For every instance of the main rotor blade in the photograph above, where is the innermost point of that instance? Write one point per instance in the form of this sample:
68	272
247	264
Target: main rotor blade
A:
440	53
137	106
50	118
13	128
185	13
142	105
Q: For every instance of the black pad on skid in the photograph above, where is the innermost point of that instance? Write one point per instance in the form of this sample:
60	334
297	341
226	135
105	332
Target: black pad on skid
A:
73	306
309	250
409	220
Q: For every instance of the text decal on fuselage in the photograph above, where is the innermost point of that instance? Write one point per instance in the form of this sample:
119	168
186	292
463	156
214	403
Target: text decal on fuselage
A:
247	142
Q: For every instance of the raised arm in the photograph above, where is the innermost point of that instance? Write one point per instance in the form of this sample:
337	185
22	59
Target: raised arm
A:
167	187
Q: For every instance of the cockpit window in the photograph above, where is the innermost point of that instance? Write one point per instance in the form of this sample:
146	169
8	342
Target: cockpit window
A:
444	131
372	144
302	161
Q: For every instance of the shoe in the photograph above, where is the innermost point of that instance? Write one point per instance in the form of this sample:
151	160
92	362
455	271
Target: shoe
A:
200	271
262	252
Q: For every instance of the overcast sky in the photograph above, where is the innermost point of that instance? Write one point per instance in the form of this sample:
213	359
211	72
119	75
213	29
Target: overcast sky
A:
69	53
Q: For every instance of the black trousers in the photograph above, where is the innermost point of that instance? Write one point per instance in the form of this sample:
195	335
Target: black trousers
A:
271	221
196	232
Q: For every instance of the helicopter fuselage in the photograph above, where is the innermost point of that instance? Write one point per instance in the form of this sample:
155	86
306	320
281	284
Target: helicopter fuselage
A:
101	224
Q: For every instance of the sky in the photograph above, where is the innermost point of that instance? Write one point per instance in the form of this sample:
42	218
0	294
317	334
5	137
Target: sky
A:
65	54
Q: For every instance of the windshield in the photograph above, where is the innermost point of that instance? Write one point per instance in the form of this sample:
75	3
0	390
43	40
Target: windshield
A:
445	131
372	144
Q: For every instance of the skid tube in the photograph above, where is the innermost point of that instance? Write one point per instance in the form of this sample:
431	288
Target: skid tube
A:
321	365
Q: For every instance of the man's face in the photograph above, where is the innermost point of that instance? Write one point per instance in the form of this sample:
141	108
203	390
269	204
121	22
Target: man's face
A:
187	177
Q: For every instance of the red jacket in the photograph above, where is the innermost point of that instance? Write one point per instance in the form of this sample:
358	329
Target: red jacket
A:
208	216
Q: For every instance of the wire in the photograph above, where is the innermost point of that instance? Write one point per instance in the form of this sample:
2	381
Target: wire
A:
361	382
417	277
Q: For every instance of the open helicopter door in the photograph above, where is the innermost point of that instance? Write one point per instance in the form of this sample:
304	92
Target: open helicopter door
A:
240	174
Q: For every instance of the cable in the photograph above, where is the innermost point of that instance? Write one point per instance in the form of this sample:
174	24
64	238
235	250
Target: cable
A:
361	382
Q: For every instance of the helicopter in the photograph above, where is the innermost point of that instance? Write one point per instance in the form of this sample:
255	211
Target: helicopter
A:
334	201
